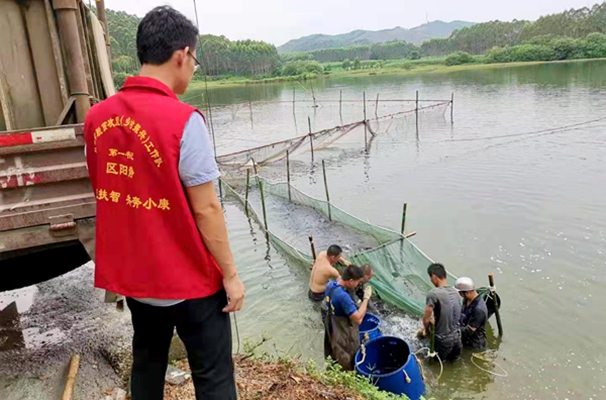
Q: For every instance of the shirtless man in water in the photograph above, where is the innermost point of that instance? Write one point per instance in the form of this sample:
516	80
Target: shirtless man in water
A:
323	271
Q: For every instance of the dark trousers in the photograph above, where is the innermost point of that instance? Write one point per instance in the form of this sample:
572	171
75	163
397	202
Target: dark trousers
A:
206	332
449	348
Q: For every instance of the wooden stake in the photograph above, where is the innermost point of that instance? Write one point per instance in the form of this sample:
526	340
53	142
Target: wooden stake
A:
288	173
365	127
403	218
377	105
247	187
313	94
496	305
340	101
313	247
293	99
311	139
417	103
250	111
260	184
326	189
452	107
74	365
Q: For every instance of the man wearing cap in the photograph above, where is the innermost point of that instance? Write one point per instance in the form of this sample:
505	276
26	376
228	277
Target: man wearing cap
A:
473	316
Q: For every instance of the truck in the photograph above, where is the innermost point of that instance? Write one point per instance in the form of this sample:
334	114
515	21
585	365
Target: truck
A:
54	64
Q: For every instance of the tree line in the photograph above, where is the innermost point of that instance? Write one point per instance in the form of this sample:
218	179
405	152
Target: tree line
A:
480	38
380	51
557	36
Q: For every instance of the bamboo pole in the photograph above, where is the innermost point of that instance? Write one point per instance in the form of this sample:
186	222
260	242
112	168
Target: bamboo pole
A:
403	218
293	99
74	365
313	247
365	127
247	189
311	139
326	189
377	105
288	173
432	340
497	312
452	107
417	103
340	101
313	94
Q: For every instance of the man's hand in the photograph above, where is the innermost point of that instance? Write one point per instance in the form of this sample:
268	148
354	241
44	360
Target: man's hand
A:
344	261
235	293
367	292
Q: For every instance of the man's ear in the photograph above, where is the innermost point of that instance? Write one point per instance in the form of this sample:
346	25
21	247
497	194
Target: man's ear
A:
181	56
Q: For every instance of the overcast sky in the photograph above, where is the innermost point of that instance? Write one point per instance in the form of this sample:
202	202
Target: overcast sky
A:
278	21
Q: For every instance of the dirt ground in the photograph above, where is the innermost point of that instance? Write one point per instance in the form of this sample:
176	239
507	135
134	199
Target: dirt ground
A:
268	381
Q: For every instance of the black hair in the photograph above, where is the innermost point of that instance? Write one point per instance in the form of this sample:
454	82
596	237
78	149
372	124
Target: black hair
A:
437	270
163	31
352	272
334	251
367	268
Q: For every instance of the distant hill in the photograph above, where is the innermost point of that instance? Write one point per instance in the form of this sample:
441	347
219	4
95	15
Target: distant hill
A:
417	35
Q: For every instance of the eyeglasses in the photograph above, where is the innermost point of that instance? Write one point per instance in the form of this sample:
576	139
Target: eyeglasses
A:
198	65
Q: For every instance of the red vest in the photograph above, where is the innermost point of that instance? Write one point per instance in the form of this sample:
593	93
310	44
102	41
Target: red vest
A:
147	242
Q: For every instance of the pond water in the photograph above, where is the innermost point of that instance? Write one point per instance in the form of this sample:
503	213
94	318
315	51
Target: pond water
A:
502	189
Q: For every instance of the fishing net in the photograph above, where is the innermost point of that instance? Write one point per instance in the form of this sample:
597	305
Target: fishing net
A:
400	267
234	164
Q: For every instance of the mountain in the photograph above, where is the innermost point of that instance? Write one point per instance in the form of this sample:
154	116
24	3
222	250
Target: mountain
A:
417	35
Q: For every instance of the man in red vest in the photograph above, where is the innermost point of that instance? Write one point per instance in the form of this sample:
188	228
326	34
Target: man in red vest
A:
161	238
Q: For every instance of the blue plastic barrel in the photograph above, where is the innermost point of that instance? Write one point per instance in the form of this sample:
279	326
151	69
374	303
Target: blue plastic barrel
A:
370	328
391	366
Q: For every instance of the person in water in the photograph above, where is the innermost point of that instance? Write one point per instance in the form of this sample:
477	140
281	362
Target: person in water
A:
473	316
445	305
324	270
342	318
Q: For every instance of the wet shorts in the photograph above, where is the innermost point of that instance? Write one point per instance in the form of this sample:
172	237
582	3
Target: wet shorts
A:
313	296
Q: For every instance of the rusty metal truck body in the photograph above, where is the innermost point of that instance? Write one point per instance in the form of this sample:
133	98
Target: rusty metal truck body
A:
54	63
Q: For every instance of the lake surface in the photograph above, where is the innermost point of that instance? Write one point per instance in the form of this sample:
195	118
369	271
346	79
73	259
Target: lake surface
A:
495	191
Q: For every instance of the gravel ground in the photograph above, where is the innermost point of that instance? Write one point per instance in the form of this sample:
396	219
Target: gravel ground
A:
53	321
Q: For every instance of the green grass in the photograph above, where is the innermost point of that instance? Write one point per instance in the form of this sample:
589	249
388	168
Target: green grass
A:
391	67
332	375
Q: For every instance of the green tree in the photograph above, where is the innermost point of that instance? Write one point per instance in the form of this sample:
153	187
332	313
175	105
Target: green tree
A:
346	64
357	64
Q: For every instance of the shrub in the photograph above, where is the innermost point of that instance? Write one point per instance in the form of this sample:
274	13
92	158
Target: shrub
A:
296	68
459	58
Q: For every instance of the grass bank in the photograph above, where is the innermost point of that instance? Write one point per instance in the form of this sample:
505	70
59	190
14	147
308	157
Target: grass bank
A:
279	376
395	68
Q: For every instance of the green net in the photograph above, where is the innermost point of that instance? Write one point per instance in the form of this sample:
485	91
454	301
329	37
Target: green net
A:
400	267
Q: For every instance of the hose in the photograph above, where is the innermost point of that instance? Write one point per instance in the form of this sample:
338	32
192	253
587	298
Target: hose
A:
479	357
